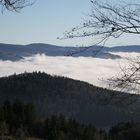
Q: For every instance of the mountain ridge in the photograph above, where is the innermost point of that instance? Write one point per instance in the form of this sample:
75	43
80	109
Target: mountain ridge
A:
54	95
21	51
15	52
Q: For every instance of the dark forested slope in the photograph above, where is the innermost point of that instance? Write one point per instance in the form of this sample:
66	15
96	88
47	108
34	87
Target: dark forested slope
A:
72	98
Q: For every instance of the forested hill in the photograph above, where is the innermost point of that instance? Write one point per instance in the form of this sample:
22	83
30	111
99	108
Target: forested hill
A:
72	98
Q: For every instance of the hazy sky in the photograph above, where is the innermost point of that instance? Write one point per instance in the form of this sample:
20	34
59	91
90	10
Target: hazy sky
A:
48	19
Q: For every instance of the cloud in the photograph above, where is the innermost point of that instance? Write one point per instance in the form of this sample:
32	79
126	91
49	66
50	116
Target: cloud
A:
92	70
87	69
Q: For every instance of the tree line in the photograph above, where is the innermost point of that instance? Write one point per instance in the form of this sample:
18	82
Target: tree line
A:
19	121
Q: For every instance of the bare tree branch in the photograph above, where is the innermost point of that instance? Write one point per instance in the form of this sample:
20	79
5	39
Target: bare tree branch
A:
129	78
14	5
106	20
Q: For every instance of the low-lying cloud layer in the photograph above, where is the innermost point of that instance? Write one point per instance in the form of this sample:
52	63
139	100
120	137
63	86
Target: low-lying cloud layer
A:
93	70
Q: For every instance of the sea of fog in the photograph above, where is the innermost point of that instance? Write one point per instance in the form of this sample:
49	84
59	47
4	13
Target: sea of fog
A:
96	71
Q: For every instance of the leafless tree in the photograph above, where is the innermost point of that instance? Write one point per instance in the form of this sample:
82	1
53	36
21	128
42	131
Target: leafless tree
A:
107	20
129	78
111	20
14	5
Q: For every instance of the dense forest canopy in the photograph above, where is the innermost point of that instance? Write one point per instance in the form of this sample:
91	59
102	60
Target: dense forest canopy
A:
54	95
19	121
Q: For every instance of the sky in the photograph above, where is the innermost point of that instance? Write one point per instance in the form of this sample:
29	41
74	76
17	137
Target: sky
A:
46	20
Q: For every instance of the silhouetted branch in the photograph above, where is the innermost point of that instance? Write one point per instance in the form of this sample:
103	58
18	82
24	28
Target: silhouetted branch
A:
108	20
14	5
129	78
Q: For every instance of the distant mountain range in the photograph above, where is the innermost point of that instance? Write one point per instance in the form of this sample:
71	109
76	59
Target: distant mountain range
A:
129	48
17	52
